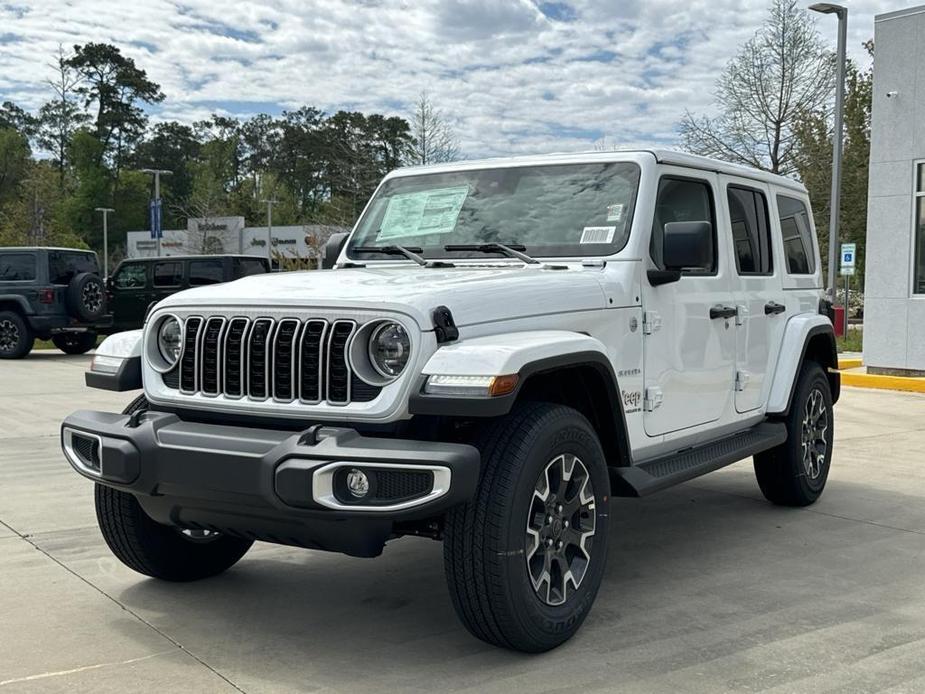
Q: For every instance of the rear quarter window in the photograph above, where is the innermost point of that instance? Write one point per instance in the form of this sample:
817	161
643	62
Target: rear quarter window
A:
17	267
797	235
206	272
64	266
247	266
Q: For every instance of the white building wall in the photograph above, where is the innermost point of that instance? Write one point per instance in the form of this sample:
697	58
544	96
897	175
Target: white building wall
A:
894	317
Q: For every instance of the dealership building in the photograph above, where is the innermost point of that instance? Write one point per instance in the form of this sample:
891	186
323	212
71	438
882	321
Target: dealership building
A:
894	301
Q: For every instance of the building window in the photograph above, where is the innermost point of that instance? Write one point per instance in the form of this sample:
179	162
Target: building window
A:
918	273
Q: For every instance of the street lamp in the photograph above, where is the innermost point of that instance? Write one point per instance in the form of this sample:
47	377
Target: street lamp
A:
157	199
270	204
838	136
105	211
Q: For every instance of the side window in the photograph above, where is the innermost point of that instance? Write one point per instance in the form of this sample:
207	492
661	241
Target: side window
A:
798	236
751	231
205	272
131	276
64	266
168	274
17	267
682	200
245	266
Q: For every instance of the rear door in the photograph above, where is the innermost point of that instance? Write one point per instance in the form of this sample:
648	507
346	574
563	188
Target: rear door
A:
757	290
689	355
131	295
166	279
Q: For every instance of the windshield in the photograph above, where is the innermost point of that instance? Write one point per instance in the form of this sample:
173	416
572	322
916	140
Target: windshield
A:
556	210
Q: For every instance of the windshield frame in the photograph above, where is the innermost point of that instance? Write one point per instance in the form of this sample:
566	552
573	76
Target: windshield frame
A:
565	250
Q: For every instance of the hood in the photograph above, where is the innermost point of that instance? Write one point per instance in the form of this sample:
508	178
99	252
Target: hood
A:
474	294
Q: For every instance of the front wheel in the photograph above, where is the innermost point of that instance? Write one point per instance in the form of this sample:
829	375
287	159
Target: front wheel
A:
525	558
795	472
74	343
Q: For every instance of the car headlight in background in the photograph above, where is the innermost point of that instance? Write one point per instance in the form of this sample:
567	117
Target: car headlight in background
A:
389	349
169	339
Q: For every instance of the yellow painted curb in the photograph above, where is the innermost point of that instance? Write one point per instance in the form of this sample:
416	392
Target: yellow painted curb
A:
862	380
850	363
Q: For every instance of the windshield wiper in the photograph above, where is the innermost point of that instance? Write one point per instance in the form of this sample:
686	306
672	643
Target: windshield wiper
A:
410	252
512	251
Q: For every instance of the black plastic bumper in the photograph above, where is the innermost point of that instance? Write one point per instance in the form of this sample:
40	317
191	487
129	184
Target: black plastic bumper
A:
266	484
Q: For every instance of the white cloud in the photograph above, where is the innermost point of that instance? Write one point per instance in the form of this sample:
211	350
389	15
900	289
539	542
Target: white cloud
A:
510	78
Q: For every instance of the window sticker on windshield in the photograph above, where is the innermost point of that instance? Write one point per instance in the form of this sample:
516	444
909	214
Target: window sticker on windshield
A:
425	212
597	235
614	213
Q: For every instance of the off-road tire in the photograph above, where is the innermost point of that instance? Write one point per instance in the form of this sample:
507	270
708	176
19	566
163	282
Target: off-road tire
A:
156	550
74	343
782	475
485	543
86	297
16	337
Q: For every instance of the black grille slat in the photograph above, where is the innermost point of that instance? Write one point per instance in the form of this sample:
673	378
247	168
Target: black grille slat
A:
311	364
234	355
338	369
396	485
88	449
258	350
209	356
188	360
284	359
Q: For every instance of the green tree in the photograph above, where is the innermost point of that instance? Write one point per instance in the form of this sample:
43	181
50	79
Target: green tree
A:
814	134
14	161
781	73
116	87
175	147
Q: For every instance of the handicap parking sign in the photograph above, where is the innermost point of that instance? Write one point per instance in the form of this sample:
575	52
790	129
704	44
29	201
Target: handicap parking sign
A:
848	255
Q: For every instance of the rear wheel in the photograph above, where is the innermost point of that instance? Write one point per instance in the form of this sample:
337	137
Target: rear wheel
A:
525	558
161	551
74	343
795	473
16	337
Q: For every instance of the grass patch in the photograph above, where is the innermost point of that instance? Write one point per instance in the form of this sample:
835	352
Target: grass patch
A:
852	342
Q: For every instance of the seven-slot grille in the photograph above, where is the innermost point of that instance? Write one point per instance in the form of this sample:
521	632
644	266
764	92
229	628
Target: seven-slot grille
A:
285	359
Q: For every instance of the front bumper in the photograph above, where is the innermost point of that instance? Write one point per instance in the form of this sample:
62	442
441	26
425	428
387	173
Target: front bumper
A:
271	485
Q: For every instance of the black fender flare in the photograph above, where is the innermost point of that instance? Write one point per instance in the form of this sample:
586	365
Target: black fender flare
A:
20	301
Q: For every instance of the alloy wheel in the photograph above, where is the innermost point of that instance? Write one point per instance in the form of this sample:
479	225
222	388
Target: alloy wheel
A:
92	297
813	438
9	336
560	529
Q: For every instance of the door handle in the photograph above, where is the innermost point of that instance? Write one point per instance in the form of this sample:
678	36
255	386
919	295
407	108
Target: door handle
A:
773	308
722	312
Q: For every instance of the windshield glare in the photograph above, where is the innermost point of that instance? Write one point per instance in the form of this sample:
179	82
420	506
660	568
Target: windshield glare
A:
556	210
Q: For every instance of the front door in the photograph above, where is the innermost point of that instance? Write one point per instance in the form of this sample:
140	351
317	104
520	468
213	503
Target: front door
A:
689	348
130	295
757	289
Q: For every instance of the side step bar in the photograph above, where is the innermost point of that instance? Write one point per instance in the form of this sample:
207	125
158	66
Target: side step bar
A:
668	470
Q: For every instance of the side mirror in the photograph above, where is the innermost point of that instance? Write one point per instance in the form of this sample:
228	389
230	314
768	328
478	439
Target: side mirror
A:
685	246
333	248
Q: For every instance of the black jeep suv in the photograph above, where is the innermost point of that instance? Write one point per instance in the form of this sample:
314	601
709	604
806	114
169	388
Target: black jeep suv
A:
50	293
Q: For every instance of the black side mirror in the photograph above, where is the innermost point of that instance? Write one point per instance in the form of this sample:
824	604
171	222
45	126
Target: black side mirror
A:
332	249
685	246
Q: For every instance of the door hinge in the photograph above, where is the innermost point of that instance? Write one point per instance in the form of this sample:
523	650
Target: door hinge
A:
651	322
653	399
742	379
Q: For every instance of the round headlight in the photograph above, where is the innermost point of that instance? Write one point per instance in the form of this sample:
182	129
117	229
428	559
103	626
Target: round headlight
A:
389	349
169	336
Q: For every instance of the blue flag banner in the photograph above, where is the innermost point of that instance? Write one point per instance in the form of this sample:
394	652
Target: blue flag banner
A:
154	210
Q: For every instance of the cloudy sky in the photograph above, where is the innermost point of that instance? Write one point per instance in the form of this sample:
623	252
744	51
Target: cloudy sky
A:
513	76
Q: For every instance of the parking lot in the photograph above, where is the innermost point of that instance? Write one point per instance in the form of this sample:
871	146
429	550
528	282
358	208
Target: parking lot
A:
708	589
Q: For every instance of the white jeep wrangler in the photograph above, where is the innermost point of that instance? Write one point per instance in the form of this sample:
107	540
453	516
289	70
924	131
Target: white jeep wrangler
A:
500	348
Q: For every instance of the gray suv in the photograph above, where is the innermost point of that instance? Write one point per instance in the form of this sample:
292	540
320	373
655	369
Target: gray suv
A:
50	293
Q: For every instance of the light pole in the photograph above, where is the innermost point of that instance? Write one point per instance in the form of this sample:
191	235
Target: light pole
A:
270	204
837	137
105	211
157	199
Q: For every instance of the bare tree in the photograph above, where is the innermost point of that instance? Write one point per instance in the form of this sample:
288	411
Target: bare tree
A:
60	117
781	73
434	140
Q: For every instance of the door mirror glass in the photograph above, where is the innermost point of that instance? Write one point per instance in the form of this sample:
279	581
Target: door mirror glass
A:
688	246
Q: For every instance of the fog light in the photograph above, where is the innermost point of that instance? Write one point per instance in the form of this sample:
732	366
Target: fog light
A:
357	483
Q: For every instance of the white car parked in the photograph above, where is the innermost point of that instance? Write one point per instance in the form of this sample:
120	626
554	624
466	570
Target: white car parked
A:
501	347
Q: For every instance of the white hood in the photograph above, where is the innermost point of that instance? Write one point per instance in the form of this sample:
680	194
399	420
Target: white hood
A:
474	294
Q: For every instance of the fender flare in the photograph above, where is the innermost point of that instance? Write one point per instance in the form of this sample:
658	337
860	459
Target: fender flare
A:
122	351
527	354
20	301
799	332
